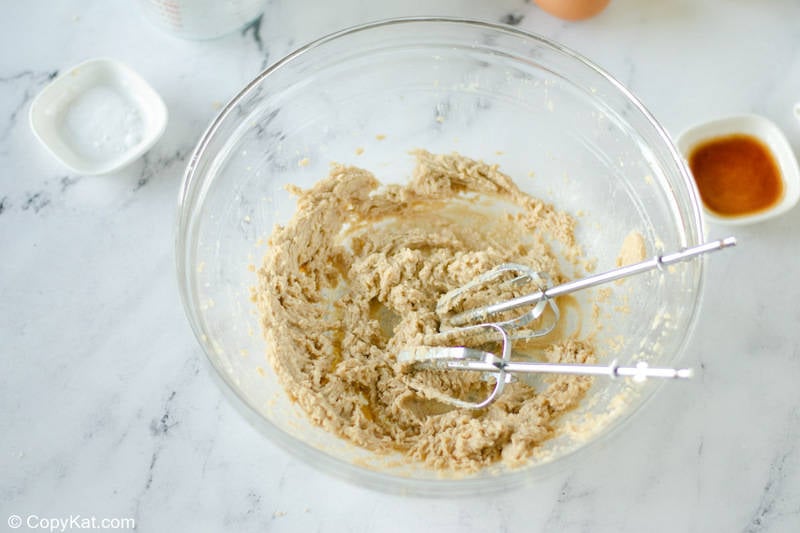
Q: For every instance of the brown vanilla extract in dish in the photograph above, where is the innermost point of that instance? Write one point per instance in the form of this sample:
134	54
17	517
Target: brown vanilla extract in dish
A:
736	175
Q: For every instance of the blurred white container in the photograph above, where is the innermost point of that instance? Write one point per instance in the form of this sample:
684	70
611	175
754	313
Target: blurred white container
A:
201	19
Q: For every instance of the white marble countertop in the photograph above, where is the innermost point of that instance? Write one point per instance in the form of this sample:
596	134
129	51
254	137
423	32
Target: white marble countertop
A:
108	409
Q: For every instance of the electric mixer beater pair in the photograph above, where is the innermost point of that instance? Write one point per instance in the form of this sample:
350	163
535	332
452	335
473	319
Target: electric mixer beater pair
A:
493	320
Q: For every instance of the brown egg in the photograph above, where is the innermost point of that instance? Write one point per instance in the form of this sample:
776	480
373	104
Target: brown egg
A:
573	9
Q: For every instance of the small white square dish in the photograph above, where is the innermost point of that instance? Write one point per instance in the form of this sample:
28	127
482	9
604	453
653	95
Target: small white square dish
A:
744	128
98	116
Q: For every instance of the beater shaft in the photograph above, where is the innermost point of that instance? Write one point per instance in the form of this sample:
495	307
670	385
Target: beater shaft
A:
462	358
481	314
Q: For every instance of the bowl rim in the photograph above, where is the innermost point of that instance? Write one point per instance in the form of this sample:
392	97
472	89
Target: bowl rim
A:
363	476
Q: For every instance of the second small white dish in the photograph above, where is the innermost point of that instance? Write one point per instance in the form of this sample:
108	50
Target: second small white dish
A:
98	116
771	136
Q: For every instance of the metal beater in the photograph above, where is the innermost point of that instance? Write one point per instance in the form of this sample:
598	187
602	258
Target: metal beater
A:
501	368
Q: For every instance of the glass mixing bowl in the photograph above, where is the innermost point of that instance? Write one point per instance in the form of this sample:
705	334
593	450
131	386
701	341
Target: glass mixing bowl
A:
565	131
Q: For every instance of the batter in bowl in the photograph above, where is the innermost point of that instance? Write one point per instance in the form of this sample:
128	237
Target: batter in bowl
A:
354	277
